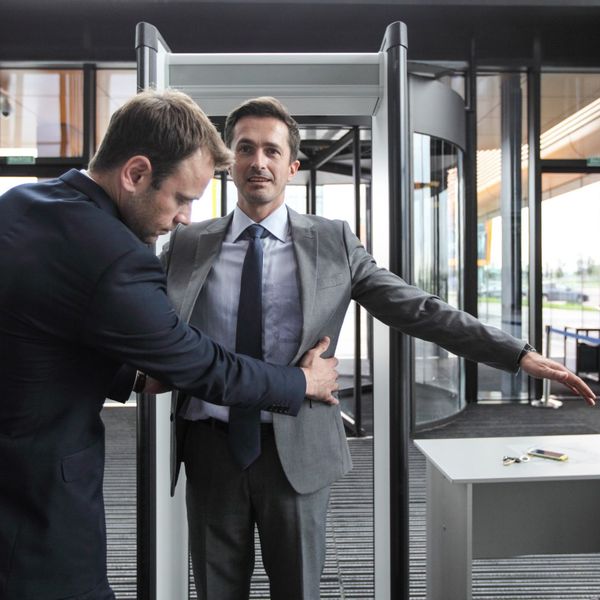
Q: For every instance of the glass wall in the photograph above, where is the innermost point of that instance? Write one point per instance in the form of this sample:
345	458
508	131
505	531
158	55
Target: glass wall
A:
42	116
570	116
502	220
437	250
570	131
113	88
42	113
571	260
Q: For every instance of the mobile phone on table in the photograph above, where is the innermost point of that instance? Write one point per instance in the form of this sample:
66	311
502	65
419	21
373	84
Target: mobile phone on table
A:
551	454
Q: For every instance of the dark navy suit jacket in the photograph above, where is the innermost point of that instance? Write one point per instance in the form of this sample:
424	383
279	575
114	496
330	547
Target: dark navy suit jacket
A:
80	296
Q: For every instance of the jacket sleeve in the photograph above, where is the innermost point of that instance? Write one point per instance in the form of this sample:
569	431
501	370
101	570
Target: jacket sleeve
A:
130	318
420	314
122	384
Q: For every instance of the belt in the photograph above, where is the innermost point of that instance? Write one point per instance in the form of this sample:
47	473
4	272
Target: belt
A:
265	428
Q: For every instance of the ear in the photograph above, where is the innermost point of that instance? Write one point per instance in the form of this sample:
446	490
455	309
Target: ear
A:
136	173
293	169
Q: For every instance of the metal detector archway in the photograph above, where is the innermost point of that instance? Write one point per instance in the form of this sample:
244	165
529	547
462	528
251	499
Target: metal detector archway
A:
371	85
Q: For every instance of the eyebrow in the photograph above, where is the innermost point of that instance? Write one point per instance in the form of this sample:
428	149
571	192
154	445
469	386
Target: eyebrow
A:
252	143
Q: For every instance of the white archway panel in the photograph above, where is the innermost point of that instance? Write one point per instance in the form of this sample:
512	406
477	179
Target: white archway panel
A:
308	84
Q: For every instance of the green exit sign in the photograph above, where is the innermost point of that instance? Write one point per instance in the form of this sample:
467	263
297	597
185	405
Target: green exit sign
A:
20	160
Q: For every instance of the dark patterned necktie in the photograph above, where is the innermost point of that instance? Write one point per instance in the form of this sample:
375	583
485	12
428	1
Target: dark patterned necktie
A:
244	424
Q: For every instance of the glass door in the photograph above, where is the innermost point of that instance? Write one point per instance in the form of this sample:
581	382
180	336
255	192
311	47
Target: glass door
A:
570	213
571	268
438	140
437	206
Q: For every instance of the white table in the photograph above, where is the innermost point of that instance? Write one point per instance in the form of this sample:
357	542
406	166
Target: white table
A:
478	508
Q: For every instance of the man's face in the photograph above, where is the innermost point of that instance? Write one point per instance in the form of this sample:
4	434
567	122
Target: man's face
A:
152	212
262	165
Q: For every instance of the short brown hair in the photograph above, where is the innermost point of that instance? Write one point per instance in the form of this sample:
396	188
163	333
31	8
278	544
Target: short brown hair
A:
265	106
166	127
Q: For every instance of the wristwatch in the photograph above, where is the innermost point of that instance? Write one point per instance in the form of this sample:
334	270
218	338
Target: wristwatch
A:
527	348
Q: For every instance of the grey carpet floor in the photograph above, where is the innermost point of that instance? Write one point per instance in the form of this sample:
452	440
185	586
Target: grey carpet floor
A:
349	565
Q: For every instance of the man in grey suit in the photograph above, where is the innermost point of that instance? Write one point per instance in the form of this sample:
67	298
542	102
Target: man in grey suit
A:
312	268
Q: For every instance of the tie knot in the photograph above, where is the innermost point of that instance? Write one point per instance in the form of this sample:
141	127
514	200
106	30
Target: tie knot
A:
255	231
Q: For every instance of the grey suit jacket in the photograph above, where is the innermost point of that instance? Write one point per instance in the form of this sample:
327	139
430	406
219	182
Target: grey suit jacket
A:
333	268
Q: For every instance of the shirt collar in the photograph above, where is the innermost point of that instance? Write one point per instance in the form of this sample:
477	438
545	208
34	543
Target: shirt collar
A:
276	223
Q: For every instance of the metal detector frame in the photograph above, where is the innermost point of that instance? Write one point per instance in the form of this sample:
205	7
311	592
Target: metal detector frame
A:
366	84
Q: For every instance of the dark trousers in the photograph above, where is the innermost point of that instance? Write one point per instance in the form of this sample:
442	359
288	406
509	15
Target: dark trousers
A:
225	503
101	592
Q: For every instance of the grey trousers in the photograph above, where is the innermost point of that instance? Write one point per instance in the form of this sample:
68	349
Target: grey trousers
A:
225	503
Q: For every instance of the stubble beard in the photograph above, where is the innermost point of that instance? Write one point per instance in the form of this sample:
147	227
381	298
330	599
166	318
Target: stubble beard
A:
138	216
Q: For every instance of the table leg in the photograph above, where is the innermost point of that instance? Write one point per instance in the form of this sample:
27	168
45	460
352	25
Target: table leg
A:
449	537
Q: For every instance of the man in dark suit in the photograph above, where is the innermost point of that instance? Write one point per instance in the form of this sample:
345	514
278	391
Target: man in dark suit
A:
81	294
313	267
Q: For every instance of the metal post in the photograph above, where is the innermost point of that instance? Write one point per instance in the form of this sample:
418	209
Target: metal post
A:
395	45
223	176
147	40
89	111
357	309
547	401
369	247
534	200
510	208
147	43
311	208
470	217
146	498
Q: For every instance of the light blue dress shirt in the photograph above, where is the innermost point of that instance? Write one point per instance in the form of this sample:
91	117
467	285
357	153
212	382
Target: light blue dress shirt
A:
217	304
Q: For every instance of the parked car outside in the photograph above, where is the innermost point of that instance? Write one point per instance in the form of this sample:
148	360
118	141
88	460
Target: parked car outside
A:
553	292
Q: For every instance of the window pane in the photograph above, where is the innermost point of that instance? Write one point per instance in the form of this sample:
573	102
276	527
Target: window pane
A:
502	219
570	116
42	113
570	260
113	88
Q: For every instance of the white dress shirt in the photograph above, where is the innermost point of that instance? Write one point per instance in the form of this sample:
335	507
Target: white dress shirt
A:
217	304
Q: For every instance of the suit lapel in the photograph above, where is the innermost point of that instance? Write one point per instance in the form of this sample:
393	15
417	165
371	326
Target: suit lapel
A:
189	274
306	247
195	272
